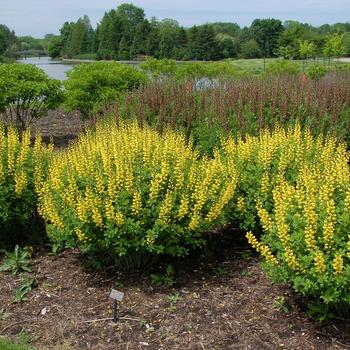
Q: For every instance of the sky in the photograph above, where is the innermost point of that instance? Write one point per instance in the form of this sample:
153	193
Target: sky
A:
39	17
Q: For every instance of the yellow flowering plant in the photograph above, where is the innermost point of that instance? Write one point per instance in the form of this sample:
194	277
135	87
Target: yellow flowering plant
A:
306	239
22	168
132	194
261	162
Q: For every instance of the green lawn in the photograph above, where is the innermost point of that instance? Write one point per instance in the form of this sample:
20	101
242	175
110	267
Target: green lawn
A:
256	65
6	345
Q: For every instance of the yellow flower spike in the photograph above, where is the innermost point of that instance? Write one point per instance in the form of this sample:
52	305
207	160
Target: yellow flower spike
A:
81	236
319	262
266	221
183	209
291	259
136	203
20	182
264	250
165	208
241	204
338	264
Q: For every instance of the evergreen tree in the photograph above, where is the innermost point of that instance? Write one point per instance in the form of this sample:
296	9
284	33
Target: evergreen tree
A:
152	41
124	50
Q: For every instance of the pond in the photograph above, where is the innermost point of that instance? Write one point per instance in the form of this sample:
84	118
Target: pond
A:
53	68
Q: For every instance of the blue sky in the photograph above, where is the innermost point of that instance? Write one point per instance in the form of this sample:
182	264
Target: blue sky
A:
38	17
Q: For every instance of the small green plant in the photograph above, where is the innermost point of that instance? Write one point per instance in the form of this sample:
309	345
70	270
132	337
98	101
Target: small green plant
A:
166	279
173	300
316	71
3	315
25	287
280	304
283	67
246	273
221	271
16	262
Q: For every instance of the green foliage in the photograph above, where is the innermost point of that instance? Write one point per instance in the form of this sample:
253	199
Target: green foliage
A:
307	49
7	345
166	279
16	262
316	71
27	93
283	67
250	49
159	69
173	300
7	40
24	288
280	304
92	87
334	46
266	33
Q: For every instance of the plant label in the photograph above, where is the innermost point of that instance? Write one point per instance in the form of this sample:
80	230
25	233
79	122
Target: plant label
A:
116	295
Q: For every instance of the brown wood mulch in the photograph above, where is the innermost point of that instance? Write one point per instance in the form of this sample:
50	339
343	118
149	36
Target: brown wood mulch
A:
227	304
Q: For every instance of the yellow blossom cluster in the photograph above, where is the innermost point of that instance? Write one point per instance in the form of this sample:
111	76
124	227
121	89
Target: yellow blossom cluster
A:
124	179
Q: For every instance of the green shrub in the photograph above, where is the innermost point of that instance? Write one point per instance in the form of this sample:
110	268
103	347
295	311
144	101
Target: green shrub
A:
316	71
21	169
27	93
132	194
283	67
93	86
306	240
159	69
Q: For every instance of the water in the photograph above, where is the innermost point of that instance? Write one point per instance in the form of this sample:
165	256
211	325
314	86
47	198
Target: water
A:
54	69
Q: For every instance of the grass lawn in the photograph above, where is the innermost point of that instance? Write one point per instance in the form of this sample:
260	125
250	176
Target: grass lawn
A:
7	345
256	65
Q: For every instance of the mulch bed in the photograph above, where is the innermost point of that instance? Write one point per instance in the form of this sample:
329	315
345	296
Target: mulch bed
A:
59	127
222	304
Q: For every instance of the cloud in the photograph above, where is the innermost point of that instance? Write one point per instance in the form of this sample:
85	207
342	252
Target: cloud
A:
38	17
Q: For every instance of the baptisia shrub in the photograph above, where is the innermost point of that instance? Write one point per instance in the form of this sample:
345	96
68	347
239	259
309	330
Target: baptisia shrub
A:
22	169
306	239
261	162
133	194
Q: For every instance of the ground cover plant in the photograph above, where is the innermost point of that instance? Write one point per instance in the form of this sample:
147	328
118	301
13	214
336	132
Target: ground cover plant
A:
134	194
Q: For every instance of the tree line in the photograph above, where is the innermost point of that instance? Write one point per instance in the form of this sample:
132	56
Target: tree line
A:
125	33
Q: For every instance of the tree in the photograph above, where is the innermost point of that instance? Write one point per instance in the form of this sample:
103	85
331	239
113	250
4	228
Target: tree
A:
109	35
55	47
228	47
266	33
27	93
152	41
91	87
250	49
334	46
168	33
124	50
7	39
